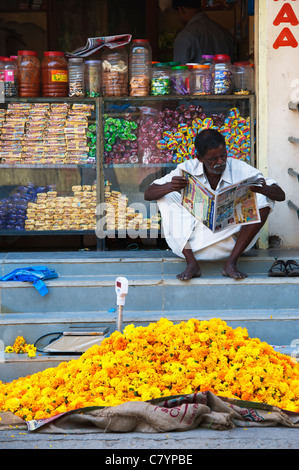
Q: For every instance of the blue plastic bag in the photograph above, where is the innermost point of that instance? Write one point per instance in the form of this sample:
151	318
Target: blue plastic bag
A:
32	274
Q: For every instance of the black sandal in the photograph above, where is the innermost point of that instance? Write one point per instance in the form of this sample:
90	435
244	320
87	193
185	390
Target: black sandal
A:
278	269
292	268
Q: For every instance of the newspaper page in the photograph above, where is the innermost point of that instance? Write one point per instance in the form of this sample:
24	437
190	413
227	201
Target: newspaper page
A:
94	44
198	200
234	205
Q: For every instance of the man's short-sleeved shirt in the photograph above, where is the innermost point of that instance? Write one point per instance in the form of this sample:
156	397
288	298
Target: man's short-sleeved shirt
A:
235	171
201	36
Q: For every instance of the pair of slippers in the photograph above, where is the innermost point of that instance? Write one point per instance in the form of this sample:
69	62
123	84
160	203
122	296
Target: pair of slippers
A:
282	268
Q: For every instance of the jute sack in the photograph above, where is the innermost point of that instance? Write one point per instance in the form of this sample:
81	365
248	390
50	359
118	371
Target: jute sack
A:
180	413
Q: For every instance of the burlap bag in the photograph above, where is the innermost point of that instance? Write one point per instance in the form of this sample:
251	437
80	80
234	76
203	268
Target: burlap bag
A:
180	413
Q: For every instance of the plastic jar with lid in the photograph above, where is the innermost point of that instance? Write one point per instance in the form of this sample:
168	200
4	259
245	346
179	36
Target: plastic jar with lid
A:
201	82
222	74
10	77
76	77
92	77
140	59
54	74
207	60
243	78
115	72
180	80
160	82
29	73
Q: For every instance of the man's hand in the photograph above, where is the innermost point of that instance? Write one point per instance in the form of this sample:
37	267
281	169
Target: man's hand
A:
157	191
260	188
178	183
273	191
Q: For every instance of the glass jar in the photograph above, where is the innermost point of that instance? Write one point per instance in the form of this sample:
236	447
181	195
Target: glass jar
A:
222	75
140	60
180	80
207	60
201	82
92	77
160	83
54	74
243	78
115	72
10	77
76	77
29	73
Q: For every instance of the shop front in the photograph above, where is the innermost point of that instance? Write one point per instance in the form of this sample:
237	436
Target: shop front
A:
75	165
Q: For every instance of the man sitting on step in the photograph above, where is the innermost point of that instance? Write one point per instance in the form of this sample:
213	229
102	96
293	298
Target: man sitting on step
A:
189	238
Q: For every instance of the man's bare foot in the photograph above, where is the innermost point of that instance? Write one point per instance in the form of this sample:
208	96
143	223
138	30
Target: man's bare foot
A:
192	270
230	270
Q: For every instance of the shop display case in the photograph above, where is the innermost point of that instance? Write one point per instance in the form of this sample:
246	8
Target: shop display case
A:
81	166
48	155
145	138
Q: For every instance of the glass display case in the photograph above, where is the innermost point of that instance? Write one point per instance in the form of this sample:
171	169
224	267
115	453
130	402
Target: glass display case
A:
81	166
145	138
48	155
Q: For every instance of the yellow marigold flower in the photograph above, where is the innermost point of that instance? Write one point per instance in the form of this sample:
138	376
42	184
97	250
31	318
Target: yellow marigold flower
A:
20	347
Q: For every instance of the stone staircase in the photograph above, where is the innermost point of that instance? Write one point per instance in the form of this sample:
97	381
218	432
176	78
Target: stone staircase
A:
84	295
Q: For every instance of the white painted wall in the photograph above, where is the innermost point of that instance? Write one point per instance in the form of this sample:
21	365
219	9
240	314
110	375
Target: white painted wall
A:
277	85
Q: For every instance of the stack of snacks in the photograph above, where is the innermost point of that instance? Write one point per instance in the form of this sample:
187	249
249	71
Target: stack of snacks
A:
14	208
121	217
54	141
75	133
44	133
33	149
52	212
12	132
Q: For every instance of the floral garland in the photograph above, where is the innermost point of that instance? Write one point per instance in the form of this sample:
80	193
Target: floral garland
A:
159	360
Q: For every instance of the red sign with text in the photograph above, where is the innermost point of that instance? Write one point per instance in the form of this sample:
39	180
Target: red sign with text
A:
285	16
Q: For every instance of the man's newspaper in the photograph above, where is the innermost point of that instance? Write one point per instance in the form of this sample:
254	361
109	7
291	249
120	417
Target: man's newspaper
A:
94	44
234	205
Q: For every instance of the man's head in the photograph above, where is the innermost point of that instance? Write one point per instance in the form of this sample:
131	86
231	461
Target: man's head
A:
211	151
186	9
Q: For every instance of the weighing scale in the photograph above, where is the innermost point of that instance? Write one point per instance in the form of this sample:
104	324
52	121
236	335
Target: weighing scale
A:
77	340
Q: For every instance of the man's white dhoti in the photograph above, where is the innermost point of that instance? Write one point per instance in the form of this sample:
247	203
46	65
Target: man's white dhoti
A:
181	229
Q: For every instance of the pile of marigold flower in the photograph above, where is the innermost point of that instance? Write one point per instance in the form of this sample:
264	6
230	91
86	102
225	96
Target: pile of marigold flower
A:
159	360
21	347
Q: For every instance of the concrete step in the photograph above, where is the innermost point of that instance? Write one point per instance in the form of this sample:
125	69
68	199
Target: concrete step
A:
146	262
280	326
151	292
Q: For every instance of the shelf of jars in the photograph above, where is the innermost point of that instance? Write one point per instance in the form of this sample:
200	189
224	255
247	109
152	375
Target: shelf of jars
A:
48	161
